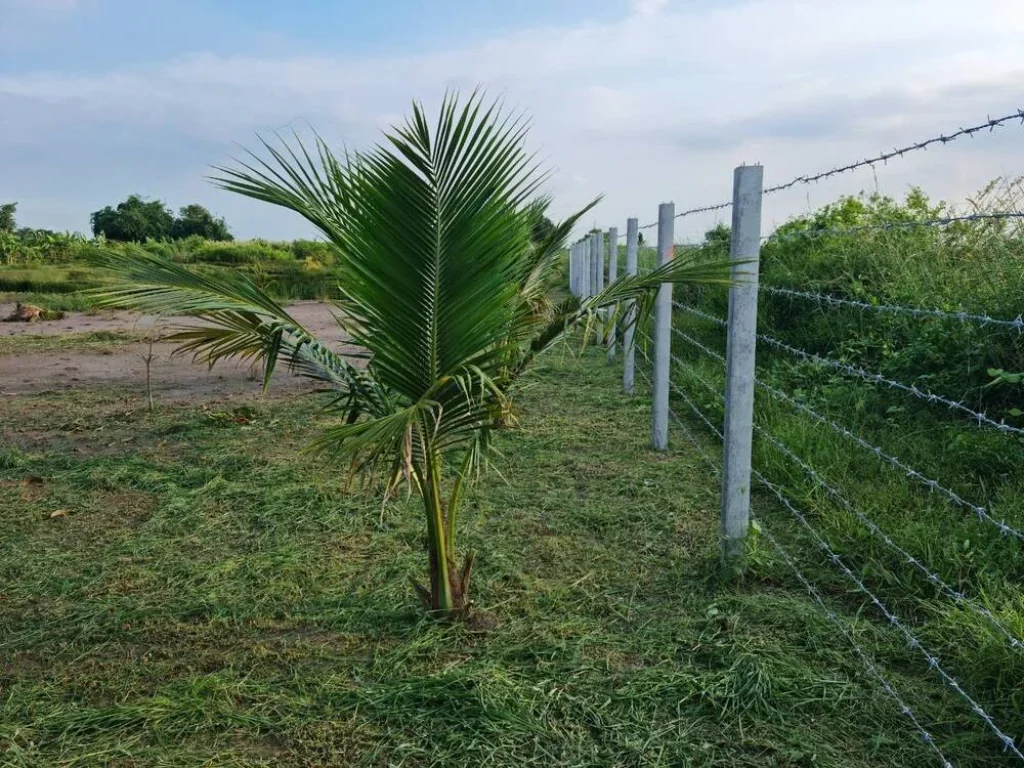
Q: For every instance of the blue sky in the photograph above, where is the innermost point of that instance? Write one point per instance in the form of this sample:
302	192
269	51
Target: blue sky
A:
642	100
94	35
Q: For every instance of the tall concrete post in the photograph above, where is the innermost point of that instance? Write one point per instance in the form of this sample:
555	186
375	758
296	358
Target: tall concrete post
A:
663	329
628	347
740	348
597	273
572	269
613	275
591	265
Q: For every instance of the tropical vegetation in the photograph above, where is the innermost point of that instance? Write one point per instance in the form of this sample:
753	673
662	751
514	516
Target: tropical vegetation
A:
440	285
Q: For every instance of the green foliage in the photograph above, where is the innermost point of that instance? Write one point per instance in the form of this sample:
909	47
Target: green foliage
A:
973	266
541	227
241	252
134	220
313	250
7	222
195	221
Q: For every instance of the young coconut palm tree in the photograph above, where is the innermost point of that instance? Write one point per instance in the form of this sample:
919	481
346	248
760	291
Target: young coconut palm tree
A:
441	287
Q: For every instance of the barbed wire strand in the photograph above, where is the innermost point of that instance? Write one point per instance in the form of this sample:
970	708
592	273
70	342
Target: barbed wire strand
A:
878	379
991	124
892	618
852	370
699	313
933	485
693	211
955	595
872	669
835	301
982	513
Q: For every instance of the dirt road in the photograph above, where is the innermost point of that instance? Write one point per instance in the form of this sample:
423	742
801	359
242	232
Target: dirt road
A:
174	377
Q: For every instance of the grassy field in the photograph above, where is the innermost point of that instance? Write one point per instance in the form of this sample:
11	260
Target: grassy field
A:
186	588
90	341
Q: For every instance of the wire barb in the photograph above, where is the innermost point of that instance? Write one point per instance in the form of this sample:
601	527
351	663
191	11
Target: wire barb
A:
981	512
892	618
872	669
875	378
1016	324
991	124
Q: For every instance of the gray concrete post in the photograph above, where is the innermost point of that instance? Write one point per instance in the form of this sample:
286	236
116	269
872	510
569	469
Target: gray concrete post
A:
584	275
613	275
581	266
591	265
740	348
663	329
572	270
596	268
628	347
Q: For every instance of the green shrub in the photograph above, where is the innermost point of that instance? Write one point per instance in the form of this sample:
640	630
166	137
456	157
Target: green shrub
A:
315	250
973	266
242	252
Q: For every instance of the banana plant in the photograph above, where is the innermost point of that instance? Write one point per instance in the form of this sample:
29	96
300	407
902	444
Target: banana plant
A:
441	288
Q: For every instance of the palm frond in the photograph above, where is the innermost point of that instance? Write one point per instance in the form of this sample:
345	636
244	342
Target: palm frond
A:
242	321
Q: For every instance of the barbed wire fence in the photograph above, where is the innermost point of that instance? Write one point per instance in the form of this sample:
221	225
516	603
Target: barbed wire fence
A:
736	400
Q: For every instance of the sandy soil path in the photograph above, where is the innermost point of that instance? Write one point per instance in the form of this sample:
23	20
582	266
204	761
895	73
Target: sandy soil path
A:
174	377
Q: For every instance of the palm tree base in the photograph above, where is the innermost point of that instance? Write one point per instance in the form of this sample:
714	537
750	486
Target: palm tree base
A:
458	584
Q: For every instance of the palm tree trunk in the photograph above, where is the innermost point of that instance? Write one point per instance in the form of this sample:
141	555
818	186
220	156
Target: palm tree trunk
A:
441	597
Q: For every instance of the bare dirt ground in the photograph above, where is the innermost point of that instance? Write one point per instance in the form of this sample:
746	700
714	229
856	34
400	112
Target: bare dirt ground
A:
174	377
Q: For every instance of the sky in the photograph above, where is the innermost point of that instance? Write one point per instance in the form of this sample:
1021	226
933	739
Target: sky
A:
643	101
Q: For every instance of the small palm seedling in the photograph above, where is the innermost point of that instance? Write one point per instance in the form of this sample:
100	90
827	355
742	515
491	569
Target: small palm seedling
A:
441	287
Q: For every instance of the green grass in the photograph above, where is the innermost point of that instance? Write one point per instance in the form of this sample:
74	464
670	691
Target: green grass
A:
211	596
57	280
54	302
93	341
67	287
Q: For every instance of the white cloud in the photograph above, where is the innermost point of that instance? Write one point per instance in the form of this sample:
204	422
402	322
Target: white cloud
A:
648	7
652	107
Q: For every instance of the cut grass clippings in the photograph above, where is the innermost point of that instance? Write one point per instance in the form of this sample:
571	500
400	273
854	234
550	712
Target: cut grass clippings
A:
92	341
212	596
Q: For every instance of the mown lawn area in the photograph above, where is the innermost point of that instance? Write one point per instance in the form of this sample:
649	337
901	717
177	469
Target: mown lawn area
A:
187	588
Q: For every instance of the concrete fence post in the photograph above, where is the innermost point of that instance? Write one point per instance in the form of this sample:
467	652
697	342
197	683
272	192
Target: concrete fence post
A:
588	266
572	269
740	349
597	275
613	275
663	329
577	286
580	274
628	348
